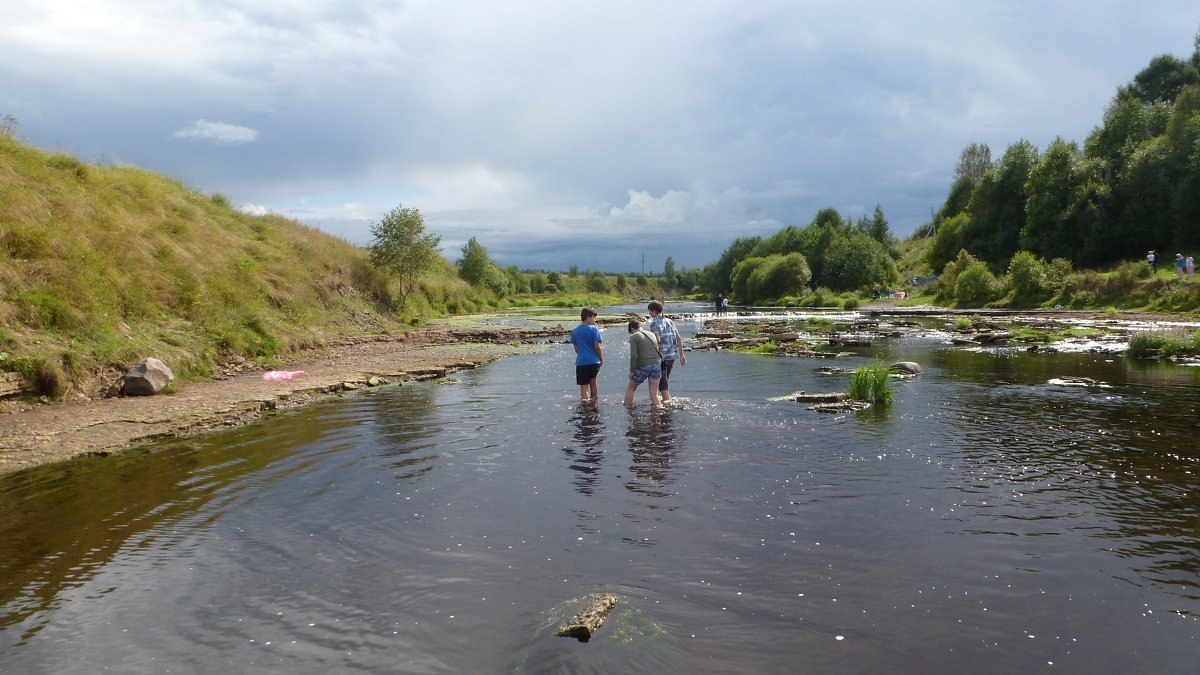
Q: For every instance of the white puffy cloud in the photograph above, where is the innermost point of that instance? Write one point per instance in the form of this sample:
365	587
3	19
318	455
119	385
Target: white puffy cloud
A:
217	131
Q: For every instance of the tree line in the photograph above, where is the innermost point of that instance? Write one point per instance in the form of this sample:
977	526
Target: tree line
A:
1133	185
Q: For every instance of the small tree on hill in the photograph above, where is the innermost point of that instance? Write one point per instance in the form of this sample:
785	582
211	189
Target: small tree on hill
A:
403	249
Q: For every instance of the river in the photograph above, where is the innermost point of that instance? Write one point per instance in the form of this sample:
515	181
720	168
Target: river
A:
991	520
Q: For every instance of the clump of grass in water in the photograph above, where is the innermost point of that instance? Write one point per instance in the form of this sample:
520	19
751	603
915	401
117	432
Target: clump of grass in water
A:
1149	345
870	383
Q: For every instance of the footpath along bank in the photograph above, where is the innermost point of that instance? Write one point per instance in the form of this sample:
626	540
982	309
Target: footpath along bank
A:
41	434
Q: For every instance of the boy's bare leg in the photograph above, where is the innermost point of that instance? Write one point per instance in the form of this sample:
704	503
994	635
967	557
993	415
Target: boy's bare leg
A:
594	387
629	390
655	395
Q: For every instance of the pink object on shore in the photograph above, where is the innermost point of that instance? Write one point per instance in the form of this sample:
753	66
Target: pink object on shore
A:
281	374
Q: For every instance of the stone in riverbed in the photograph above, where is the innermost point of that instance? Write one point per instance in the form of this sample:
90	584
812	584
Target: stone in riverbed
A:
905	368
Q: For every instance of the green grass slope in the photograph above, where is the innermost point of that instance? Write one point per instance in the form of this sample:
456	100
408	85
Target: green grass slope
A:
103	265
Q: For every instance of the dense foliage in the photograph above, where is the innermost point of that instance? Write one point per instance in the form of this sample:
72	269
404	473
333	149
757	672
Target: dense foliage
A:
1134	185
829	253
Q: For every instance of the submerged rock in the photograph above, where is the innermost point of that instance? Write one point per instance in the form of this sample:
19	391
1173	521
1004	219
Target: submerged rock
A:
906	368
588	620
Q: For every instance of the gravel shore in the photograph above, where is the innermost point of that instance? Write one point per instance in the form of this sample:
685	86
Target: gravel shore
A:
32	434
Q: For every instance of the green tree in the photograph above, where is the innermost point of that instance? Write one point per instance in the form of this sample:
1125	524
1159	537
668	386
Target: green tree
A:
998	205
401	246
538	281
1163	79
855	261
556	279
668	277
973	162
517	280
1051	187
877	227
597	283
474	265
622	282
717	275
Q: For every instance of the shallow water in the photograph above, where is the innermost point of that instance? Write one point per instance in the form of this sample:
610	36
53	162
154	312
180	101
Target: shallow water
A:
989	521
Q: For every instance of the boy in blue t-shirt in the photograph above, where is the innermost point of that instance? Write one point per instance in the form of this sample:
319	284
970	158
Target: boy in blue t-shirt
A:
586	339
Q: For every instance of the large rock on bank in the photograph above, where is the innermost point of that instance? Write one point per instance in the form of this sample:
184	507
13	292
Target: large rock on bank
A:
147	377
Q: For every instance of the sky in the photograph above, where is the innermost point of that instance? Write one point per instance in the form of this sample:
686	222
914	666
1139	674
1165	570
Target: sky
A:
606	135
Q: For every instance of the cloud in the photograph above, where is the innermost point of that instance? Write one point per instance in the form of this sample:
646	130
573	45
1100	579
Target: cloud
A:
217	131
254	209
572	133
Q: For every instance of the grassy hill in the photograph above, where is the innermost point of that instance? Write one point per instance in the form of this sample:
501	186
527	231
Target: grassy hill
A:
103	265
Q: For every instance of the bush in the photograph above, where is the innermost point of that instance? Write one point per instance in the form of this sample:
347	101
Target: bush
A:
850	303
1083	298
1027	273
870	383
977	285
1150	345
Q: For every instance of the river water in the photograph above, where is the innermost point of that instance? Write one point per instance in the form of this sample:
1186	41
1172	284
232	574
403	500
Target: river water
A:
992	520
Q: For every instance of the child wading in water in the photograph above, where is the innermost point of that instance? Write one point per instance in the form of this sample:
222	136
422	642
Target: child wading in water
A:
645	363
589	355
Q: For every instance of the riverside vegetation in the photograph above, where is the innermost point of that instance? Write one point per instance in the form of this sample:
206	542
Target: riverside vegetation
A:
102	265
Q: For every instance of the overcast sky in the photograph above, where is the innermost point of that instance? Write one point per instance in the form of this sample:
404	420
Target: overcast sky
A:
600	134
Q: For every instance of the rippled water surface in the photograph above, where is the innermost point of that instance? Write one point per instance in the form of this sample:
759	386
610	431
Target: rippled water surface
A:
989	521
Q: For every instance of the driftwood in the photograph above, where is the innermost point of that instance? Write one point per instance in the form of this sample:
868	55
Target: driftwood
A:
841	406
589	619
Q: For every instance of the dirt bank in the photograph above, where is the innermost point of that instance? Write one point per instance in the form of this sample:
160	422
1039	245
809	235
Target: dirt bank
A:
39	434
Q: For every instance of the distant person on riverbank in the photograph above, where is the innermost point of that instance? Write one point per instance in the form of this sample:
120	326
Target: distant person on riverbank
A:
724	306
875	291
645	362
1180	263
589	354
719	302
1189	266
1151	258
670	345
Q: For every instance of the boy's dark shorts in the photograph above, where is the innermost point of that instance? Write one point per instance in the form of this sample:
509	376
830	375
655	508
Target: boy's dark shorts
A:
585	374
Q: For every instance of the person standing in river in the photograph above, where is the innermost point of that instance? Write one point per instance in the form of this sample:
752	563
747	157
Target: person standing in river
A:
670	346
589	354
645	362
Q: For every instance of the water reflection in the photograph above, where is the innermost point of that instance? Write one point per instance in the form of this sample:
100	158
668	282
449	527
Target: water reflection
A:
653	446
586	451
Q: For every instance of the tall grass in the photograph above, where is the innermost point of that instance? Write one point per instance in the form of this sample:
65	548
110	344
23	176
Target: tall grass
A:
870	383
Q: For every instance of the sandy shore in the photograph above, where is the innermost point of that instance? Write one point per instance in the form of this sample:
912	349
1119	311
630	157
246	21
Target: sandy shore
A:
39	434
